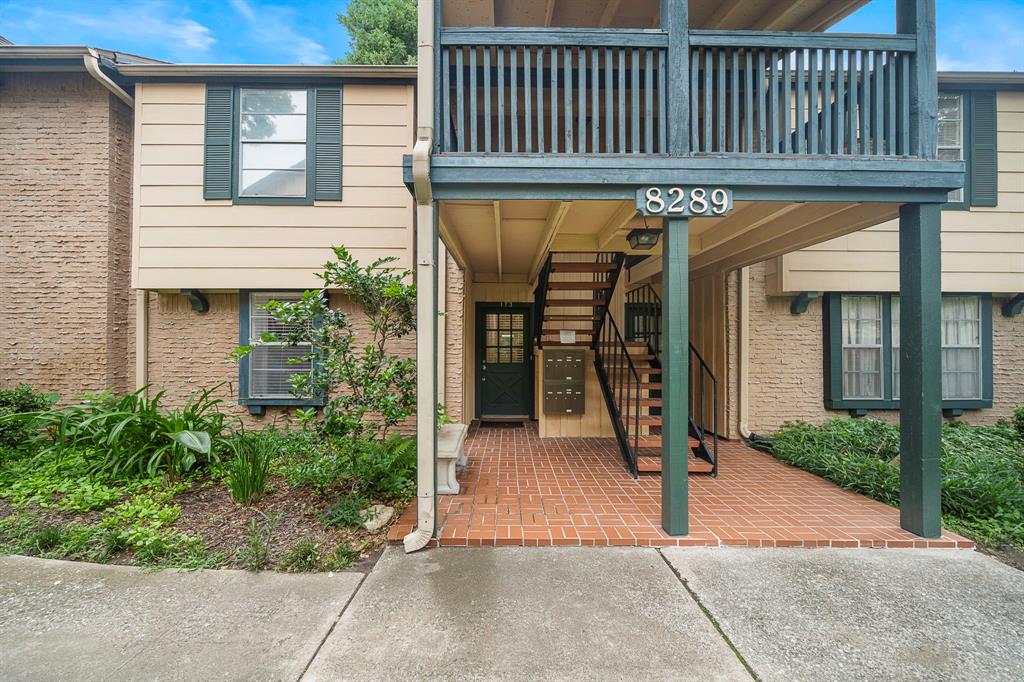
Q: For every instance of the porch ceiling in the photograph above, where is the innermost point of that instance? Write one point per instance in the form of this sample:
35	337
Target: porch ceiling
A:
770	15
509	240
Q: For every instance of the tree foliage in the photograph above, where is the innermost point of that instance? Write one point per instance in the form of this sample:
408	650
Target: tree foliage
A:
366	388
381	32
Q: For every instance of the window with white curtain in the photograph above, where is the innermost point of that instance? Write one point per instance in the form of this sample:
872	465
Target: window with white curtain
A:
270	363
961	348
272	143
862	347
951	135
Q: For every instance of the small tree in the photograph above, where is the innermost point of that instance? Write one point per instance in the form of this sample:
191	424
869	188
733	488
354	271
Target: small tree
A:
366	388
381	31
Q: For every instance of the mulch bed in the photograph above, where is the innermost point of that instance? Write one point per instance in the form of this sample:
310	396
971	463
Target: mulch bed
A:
208	510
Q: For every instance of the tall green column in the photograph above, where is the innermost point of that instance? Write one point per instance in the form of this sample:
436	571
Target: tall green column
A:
921	369
675	360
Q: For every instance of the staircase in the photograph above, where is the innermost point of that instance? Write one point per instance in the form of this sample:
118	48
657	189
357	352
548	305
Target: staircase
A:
572	295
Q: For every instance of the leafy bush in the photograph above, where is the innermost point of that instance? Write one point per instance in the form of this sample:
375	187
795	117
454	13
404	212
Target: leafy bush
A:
366	388
982	467
133	435
385	469
347	512
302	557
255	555
247	470
1018	421
14	433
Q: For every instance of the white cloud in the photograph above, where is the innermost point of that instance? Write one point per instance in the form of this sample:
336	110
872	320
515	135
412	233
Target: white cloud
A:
274	27
155	27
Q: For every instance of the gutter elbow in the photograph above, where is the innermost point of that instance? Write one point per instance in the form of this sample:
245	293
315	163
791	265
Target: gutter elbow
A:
92	65
421	166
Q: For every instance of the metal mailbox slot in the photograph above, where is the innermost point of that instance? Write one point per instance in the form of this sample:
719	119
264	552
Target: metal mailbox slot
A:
565	376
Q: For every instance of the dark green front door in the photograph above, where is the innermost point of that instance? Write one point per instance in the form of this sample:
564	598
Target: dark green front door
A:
504	361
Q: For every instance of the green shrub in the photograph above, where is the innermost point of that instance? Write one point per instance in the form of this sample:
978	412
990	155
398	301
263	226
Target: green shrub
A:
247	470
302	557
343	556
15	433
385	469
255	554
1018	421
982	467
347	512
132	435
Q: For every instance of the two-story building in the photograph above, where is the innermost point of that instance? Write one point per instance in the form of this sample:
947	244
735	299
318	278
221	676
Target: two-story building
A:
557	141
651	226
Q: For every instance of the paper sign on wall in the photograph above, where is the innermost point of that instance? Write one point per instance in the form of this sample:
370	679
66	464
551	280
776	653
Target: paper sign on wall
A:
567	336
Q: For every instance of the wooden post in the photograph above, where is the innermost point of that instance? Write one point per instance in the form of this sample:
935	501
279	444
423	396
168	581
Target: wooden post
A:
920	369
917	17
675	358
675	20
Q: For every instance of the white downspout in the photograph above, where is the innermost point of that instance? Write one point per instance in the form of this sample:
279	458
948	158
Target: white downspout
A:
92	65
141	338
744	352
426	298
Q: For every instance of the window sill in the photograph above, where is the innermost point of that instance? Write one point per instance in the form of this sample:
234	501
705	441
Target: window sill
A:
258	406
861	407
272	201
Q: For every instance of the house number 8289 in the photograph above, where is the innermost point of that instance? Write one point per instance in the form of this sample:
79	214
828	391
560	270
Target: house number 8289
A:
678	201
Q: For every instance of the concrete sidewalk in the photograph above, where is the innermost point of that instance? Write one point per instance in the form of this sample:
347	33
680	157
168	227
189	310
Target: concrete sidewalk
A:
526	613
63	620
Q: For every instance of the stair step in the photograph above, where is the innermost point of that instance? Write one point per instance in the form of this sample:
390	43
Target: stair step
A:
579	286
575	302
628	344
583	267
571	318
579	332
554	343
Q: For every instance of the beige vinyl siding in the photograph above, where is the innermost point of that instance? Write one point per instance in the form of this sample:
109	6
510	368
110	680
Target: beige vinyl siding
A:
982	249
183	241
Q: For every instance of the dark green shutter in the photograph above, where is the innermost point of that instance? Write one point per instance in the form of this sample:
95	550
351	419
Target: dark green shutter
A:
984	166
220	120
328	143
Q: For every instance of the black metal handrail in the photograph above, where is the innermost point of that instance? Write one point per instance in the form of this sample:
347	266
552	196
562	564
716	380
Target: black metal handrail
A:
646	326
540	294
621	386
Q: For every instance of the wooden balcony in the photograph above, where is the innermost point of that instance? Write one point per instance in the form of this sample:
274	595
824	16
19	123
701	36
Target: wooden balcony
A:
612	92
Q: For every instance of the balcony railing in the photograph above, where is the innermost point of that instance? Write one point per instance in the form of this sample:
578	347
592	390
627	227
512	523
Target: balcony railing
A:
553	91
597	92
804	94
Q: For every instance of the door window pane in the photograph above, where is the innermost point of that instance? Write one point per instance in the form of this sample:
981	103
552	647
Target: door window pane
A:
862	347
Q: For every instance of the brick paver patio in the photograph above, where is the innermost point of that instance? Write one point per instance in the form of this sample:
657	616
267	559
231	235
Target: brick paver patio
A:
519	489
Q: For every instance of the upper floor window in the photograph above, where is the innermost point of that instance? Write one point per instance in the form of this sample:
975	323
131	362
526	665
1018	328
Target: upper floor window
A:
967	131
272	143
864	348
951	135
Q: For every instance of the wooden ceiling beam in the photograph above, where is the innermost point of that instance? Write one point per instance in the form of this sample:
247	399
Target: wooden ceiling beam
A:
775	16
616	222
750	218
549	13
497	236
446	230
608	15
725	12
556	216
830	14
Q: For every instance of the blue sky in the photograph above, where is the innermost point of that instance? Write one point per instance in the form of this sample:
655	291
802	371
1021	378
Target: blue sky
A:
985	35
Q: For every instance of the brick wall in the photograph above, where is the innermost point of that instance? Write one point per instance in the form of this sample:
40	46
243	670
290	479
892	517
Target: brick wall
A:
786	354
188	351
65	171
454	329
